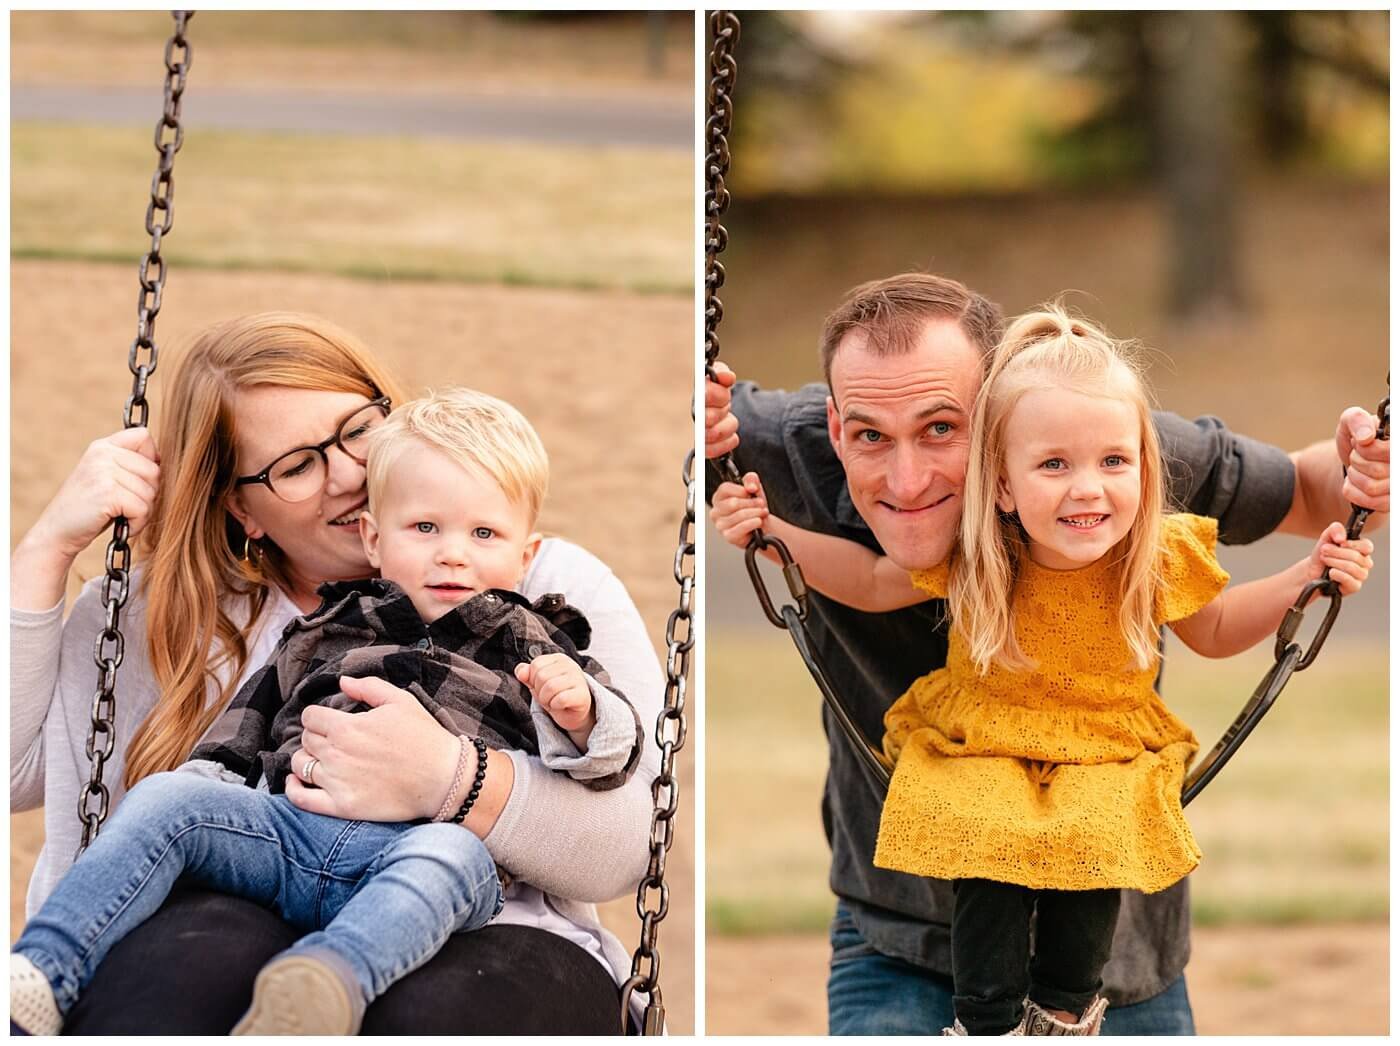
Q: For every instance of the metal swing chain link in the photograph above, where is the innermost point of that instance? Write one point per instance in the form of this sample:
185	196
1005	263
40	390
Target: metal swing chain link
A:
670	738
665	790
1289	657
724	72
110	648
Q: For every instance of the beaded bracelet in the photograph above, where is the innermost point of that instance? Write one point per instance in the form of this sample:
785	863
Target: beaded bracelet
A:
471	798
446	808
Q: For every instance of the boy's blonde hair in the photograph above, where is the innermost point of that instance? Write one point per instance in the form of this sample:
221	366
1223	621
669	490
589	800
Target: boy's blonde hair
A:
1049	348
473	429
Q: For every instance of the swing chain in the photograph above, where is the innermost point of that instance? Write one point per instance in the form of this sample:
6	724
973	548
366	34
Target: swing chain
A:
665	790
110	647
1324	585
724	71
1289	656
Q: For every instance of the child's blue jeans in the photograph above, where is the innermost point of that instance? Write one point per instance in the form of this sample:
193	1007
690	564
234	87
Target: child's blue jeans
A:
382	898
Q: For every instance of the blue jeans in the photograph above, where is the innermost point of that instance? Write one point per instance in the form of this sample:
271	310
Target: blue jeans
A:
873	994
380	898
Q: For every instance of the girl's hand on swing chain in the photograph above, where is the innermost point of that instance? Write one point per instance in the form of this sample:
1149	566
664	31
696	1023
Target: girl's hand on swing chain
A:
737	511
721	426
394	762
1348	563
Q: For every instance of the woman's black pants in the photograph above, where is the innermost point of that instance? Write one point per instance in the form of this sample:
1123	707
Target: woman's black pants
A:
189	971
994	969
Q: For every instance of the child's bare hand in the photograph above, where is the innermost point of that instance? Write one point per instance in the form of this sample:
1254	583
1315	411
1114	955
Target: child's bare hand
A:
560	687
1348	563
737	511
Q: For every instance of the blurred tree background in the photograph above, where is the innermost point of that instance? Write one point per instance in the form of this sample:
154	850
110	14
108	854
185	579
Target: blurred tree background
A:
1191	103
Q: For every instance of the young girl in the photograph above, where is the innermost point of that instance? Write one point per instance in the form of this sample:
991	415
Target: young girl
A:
1039	770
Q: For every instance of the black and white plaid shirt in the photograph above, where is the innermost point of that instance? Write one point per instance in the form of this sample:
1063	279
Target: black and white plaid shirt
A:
461	667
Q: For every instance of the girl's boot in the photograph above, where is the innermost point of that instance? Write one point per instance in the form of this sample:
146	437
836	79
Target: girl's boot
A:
1039	1022
958	1029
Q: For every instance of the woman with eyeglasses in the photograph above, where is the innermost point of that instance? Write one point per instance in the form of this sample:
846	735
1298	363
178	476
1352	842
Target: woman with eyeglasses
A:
251	501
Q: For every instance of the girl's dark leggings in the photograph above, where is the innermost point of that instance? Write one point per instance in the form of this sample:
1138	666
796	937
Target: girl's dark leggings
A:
994	969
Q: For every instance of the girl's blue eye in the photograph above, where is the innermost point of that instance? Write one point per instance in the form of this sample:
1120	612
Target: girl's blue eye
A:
424	528
1053	464
1113	461
483	533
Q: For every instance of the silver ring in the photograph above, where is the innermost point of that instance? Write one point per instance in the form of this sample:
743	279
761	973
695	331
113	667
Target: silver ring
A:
308	770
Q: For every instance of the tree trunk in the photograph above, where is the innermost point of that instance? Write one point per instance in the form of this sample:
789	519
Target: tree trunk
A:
1196	103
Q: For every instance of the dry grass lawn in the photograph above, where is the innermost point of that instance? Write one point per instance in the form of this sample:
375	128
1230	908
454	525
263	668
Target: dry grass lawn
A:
380	208
381	50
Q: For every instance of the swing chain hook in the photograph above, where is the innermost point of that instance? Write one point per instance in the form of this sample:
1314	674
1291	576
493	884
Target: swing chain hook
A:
110	648
1289	656
792	574
1324	585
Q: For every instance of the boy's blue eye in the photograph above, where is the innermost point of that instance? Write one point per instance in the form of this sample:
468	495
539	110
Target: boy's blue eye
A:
941	428
424	528
483	533
869	436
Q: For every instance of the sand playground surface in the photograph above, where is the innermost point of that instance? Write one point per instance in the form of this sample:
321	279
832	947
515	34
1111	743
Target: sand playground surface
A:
605	377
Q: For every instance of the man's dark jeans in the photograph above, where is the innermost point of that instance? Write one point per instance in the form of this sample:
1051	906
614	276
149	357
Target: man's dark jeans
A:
993	971
873	994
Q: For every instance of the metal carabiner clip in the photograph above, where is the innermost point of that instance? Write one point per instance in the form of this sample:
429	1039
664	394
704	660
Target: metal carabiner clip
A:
1293	617
792	574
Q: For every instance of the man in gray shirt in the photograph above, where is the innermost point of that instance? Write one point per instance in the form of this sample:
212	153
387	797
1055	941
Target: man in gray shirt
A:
881	460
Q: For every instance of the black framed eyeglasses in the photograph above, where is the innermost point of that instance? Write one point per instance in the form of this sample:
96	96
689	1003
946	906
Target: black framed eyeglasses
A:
301	473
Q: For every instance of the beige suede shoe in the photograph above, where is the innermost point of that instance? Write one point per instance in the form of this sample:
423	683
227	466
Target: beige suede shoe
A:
302	995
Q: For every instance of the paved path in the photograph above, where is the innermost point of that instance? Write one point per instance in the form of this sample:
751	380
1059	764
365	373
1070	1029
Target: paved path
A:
579	119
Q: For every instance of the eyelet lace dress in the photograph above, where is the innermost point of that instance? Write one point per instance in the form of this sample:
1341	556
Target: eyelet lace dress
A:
1067	776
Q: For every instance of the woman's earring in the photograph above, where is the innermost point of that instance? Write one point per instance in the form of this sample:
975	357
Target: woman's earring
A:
252	555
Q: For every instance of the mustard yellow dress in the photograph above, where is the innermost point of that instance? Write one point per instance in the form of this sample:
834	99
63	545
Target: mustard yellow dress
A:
1064	777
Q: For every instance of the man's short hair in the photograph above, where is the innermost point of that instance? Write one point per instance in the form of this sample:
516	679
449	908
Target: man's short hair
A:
893	312
473	429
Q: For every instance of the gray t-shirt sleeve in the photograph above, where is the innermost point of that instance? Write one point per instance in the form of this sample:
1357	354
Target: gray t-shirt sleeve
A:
1245	484
762	448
